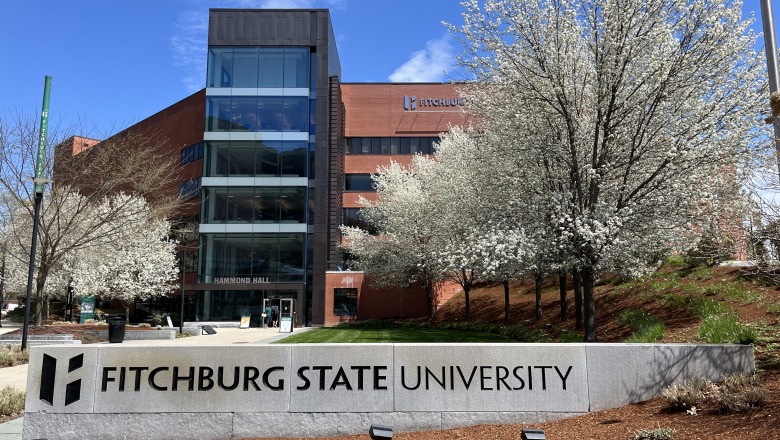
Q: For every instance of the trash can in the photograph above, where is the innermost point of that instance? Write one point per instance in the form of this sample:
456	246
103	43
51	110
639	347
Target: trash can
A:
116	328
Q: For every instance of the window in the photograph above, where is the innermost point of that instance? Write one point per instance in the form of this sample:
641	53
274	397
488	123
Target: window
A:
358	182
279	257
249	158
257	113
189	189
391	145
192	153
345	302
262	204
353	218
266	67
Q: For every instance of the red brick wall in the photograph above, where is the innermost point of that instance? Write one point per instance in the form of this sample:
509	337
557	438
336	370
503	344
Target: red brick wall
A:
374	303
378	109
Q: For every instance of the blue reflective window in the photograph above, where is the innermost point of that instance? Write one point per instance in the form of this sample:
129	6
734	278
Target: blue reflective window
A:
192	153
218	113
245	61
312	117
220	67
271	67
257	113
313	72
265	67
296	67
189	189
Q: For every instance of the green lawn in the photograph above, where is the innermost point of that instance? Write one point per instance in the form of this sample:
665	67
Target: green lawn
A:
367	335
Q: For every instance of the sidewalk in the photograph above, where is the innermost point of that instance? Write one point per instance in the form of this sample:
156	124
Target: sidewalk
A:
17	376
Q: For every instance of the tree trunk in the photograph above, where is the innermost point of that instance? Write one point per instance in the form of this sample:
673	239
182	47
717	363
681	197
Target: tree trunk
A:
429	296
575	275
590	304
538	290
506	300
466	291
564	300
39	300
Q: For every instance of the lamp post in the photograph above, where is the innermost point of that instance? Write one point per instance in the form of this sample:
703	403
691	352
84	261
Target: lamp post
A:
183	275
770	47
2	285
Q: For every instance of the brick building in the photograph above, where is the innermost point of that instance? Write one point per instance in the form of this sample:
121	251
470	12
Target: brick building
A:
274	154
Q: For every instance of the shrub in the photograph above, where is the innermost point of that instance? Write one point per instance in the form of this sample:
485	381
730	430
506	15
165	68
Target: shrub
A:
569	336
688	393
11	355
11	401
740	392
725	329
678	260
144	325
659	433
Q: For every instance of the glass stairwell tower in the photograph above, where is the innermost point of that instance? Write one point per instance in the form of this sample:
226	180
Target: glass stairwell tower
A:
271	188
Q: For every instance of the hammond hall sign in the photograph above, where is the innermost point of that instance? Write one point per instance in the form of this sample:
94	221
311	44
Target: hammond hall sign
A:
332	389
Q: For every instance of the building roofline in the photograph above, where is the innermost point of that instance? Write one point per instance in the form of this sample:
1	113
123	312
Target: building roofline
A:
404	83
268	10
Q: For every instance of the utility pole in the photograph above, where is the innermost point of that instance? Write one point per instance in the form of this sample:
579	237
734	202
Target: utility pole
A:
770	47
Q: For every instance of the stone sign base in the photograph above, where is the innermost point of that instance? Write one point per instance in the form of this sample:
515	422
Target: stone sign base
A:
314	390
221	426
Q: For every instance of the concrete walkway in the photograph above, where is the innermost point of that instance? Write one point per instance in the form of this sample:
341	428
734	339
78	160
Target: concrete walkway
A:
17	376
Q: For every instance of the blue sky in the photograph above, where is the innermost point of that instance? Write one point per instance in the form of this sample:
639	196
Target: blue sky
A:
115	62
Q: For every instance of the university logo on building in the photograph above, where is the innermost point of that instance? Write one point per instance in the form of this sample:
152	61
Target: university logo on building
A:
411	102
49	377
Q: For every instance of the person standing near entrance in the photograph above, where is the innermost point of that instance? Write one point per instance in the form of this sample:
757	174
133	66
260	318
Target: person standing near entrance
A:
275	315
268	313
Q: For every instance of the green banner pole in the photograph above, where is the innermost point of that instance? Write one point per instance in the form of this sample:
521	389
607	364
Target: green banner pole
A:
39	165
40	161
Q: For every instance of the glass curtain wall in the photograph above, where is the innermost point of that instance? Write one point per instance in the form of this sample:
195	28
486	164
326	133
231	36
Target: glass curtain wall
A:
264	90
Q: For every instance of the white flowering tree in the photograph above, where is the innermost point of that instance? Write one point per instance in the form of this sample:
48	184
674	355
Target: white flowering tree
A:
133	163
98	244
613	113
405	250
138	263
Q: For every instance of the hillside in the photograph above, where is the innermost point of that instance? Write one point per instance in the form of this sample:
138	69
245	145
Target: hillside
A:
677	295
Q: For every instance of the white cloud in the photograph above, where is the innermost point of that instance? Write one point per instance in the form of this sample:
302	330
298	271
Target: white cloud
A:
427	65
189	47
189	42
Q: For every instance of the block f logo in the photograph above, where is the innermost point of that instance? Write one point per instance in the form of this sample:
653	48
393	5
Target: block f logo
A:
410	103
49	375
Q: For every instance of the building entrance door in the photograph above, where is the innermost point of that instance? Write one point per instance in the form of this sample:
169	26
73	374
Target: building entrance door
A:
279	302
286	315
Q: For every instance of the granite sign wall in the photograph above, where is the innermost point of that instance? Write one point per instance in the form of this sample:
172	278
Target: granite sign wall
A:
333	389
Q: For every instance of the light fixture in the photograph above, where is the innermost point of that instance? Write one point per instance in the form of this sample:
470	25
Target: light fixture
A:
532	434
377	432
